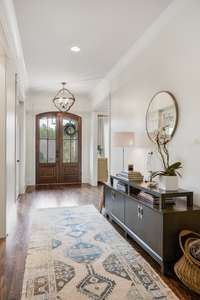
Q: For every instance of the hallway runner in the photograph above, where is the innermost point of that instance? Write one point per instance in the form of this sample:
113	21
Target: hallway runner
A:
75	254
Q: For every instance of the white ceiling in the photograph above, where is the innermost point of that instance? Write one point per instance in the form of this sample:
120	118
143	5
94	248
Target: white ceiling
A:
103	29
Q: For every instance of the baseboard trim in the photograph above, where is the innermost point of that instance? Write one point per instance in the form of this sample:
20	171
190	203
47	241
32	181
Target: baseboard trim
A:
32	188
3	238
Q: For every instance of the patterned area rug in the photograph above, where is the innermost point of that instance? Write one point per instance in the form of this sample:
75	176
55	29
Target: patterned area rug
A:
75	254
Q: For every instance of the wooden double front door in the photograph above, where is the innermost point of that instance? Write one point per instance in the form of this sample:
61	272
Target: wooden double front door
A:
58	148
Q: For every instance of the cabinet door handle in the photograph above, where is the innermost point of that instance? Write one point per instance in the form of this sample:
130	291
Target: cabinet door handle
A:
140	212
113	195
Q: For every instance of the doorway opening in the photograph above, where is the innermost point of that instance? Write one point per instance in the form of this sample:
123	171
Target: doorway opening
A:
102	147
58	148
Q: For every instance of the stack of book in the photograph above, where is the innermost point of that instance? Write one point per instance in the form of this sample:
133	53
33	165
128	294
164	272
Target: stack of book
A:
121	187
131	176
154	200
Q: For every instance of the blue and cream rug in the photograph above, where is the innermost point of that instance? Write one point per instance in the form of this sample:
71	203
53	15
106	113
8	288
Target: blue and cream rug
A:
76	254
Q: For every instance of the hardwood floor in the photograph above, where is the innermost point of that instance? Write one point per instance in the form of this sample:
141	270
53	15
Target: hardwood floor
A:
13	249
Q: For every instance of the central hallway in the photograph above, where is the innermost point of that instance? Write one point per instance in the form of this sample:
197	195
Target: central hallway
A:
13	251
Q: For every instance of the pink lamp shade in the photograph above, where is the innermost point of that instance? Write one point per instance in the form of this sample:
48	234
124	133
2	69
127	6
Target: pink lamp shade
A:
142	140
123	139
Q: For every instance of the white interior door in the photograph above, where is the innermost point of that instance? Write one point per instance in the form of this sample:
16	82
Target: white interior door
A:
17	141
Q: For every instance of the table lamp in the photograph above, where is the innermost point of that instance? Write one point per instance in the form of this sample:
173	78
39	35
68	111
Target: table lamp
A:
123	140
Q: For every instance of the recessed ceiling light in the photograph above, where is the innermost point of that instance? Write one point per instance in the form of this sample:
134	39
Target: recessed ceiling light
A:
75	49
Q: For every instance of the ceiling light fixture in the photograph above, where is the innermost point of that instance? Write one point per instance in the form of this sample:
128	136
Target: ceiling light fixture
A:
64	99
75	49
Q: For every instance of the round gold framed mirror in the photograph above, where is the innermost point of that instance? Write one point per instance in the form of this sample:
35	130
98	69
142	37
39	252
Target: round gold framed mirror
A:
162	115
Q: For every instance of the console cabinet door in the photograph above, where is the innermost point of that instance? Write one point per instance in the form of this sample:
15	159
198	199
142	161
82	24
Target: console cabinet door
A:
151	228
131	216
117	205
108	199
145	223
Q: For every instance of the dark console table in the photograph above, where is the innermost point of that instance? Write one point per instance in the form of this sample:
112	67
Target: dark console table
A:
154	227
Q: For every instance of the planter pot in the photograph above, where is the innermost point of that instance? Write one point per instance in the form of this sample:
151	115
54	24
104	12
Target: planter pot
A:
168	183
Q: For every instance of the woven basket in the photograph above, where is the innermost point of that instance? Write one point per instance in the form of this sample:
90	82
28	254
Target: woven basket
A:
188	268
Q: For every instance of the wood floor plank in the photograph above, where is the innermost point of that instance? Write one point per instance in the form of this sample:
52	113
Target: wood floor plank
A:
13	249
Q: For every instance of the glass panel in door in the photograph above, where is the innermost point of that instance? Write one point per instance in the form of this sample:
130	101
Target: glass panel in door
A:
47	140
70	141
52	140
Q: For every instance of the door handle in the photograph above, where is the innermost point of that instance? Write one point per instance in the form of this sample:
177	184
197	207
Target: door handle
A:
140	212
57	155
113	195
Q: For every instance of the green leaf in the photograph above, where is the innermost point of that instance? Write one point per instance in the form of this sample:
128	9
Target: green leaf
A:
158	173
176	165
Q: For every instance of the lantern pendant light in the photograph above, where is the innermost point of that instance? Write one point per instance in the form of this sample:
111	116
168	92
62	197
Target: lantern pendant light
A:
64	99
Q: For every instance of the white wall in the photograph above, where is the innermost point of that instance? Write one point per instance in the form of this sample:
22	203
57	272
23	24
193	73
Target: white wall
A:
2	146
165	58
10	141
22	146
38	102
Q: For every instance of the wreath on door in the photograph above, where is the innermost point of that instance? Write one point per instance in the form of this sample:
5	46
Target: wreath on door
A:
70	129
